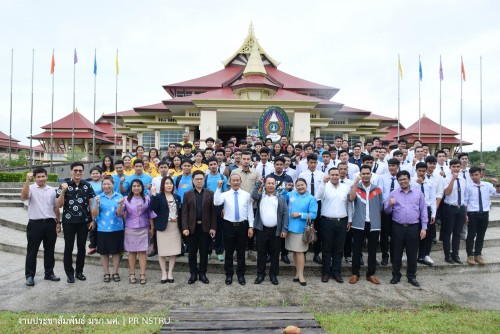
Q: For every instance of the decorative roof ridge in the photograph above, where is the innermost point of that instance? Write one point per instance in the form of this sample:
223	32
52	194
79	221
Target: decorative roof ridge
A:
254	65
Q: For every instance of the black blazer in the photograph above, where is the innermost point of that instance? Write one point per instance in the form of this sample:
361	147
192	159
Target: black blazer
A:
159	205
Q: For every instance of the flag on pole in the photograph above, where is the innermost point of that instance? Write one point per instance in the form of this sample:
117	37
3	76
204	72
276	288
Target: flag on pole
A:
463	69
441	77
116	63
420	70
52	64
95	62
400	69
75	58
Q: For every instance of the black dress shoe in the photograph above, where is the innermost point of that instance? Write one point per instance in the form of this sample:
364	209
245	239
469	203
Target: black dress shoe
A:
456	259
52	278
317	259
448	259
295	280
204	279
229	280
325	278
30	281
70	279
192	279
395	280
268	258
384	262
259	280
285	259
338	279
241	280
303	283
163	281
421	261
413	281
274	280
80	276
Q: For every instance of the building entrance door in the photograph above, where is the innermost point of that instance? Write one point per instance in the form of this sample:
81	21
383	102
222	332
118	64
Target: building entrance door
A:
226	132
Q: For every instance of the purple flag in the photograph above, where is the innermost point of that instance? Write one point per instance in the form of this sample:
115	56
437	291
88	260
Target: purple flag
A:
440	70
75	58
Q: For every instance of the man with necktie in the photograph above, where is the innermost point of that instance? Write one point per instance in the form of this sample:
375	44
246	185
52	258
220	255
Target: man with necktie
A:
477	199
238	224
454	213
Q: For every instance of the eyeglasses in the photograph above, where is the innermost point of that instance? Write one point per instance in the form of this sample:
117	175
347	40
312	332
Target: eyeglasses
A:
78	170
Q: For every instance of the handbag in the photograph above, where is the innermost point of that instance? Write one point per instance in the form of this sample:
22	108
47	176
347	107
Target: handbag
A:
309	236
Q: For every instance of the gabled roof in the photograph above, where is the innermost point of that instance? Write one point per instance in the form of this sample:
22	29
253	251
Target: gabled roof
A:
219	94
291	82
382	118
253	81
152	107
392	134
427	126
5	137
345	110
66	123
68	135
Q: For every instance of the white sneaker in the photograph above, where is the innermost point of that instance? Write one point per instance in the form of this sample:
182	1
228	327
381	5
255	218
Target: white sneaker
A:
428	259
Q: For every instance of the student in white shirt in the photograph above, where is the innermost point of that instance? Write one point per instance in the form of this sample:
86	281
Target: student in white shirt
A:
351	168
264	167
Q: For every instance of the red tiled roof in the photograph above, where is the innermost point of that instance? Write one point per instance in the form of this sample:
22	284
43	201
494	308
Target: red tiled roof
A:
152	107
67	135
120	113
4	136
220	94
435	140
392	135
284	94
382	118
291	82
427	126
213	80
345	110
109	129
253	81
66	123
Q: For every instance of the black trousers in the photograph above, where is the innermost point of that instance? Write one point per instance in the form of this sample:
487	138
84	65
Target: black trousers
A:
452	225
385	235
357	245
348	244
476	229
425	245
250	241
333	234
317	226
93	239
70	232
39	231
235	238
198	241
405	237
218	242
268	243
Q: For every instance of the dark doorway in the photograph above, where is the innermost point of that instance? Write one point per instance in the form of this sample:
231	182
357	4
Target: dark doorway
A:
225	133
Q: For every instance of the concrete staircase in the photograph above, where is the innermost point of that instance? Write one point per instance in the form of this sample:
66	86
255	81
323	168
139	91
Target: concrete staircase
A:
14	219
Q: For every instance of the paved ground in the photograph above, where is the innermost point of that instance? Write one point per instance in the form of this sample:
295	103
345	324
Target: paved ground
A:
474	290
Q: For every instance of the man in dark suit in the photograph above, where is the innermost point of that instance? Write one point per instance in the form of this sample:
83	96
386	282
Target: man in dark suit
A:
199	222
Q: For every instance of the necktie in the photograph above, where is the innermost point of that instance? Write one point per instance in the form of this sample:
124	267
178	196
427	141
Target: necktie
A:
459	192
444	174
312	184
392	183
480	200
422	188
236	207
428	177
263	170
375	168
464	175
342	181
323	168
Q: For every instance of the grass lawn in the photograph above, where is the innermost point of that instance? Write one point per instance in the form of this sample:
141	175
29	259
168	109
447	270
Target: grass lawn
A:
441	318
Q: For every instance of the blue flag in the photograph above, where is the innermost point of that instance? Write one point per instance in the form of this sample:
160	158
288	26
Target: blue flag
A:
420	70
95	63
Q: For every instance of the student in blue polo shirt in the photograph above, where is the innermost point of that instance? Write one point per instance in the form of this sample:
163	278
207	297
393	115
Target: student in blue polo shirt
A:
139	174
184	182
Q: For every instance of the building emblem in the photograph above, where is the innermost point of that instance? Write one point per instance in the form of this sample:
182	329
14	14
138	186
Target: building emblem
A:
274	123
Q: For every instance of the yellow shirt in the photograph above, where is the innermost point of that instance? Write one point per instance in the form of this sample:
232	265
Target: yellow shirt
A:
174	173
203	168
128	172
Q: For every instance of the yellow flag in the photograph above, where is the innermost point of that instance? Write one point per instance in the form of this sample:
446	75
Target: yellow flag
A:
116	63
400	69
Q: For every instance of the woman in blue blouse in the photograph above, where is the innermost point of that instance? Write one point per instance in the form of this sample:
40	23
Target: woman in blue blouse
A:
300	204
109	227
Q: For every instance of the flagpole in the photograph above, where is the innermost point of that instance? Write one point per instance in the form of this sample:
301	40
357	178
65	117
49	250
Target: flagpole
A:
461	101
93	130
52	114
10	118
116	101
440	102
73	119
481	104
32	156
419	102
399	98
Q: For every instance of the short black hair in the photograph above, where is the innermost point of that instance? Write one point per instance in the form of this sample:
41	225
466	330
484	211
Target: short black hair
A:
95	168
403	173
463	155
186	161
397	152
138	161
367	158
264	150
75	164
420	165
365	167
431	159
279	158
212	159
197	172
312	157
454	162
210	139
402	140
474	169
325	152
118	162
39	170
187	145
393	161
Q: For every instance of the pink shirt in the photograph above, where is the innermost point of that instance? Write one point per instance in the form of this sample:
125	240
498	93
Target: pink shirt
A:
138	213
41	202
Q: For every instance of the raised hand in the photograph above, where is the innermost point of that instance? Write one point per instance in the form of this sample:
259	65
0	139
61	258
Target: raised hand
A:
29	177
220	183
64	186
392	201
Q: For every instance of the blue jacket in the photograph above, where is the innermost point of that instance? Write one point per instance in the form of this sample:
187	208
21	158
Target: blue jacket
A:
303	204
159	205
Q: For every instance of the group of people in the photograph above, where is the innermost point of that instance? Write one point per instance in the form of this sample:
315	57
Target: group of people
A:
264	197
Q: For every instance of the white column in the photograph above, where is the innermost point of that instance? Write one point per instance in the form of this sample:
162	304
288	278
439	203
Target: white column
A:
124	144
317	132
157	139
139	138
301	126
208	125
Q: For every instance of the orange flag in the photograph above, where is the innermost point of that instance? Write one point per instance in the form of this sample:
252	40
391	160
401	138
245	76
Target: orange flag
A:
53	64
463	70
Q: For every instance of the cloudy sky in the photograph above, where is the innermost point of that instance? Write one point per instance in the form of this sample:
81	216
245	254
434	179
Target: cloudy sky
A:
352	46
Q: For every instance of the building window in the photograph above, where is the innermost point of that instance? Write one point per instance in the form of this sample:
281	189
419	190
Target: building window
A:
148	140
352	140
329	137
169	136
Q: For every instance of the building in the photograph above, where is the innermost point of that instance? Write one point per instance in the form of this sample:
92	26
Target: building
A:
16	148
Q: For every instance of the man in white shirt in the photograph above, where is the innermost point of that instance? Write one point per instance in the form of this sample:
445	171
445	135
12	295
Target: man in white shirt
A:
238	224
264	167
380	166
369	160
336	217
477	199
163	170
454	212
313	179
342	166
327	162
351	168
464	166
442	168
